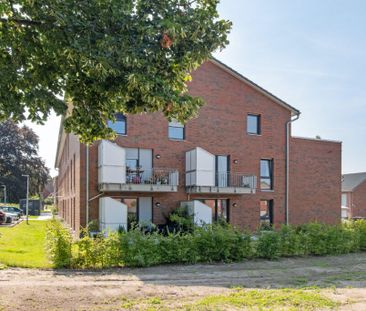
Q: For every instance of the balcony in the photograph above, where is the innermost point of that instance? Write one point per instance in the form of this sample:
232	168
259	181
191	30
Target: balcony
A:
114	175
145	180
209	173
211	182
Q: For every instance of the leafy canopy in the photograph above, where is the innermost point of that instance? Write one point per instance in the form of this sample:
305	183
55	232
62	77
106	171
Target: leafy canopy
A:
98	57
18	156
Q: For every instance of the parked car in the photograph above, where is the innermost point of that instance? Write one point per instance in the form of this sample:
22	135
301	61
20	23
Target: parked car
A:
13	210
9	216
2	217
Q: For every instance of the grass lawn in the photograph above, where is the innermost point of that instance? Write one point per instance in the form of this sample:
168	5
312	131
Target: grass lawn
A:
243	299
24	245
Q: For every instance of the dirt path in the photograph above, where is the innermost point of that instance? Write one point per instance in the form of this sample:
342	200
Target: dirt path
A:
343	279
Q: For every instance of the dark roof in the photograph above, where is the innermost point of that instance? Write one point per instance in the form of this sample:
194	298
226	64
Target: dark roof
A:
351	181
279	101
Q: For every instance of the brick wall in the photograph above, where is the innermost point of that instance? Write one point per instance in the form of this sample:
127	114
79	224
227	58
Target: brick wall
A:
358	201
315	181
220	128
69	188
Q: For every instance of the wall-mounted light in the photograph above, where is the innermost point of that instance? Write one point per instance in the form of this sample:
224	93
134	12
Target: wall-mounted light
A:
236	161
158	156
235	204
157	204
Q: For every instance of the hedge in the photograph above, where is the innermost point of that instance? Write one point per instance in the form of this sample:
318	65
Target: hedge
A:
208	244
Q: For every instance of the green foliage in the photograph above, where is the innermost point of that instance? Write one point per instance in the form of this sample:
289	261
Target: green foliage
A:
58	244
268	245
139	248
291	242
106	56
360	229
19	155
181	219
96	252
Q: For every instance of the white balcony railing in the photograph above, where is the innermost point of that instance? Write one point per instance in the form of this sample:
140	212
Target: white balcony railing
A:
206	181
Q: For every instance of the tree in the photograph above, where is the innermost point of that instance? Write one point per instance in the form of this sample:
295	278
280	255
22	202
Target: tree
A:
94	58
18	156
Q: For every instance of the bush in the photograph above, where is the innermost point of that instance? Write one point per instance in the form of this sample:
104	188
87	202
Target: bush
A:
96	252
291	243
215	243
58	244
139	249
268	245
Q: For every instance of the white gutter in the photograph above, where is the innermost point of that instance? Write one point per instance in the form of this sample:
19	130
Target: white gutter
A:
297	116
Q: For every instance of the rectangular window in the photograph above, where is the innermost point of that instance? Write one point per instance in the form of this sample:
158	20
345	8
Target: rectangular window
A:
266	212
254	124
222	171
266	173
139	210
220	209
176	131
344	199
138	165
119	126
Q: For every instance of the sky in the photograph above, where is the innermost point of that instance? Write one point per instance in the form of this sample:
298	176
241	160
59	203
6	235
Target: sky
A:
311	54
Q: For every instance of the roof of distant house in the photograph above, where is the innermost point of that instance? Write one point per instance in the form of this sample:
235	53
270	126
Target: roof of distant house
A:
351	181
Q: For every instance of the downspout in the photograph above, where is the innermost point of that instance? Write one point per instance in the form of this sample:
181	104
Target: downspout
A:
297	116
87	185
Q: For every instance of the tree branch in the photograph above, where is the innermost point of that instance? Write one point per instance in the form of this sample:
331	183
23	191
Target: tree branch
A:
24	22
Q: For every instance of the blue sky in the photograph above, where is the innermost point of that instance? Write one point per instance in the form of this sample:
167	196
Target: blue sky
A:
312	54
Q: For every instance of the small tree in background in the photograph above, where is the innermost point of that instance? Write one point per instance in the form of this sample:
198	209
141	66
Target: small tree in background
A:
19	155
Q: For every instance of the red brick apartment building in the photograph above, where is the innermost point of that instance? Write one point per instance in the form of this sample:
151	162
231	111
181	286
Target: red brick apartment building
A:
235	161
354	195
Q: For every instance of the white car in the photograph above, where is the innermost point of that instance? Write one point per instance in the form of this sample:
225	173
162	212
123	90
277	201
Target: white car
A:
10	217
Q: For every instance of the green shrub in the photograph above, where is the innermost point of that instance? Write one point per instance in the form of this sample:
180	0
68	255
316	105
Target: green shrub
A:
139	249
58	244
181	219
359	226
290	242
214	243
178	248
268	245
97	252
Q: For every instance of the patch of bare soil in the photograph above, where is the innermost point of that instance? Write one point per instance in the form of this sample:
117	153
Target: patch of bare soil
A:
342	278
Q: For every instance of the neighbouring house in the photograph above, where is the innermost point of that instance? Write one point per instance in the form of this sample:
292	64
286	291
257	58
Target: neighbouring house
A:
354	195
236	162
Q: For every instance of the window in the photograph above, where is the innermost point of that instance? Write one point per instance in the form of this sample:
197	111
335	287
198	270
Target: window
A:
253	124
176	130
266	212
119	126
220	209
222	171
138	165
139	210
344	199
266	173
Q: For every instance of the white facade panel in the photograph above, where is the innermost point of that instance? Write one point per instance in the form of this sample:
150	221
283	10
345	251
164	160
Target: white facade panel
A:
202	213
111	163
112	214
205	168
